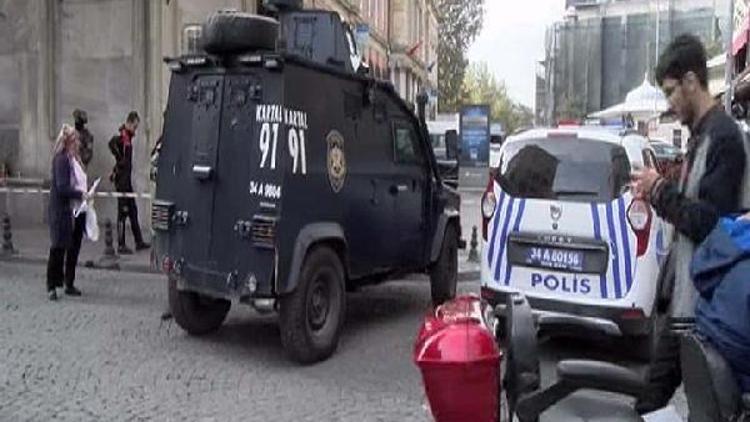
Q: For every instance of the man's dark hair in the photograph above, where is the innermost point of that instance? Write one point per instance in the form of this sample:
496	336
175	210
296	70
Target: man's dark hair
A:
684	54
133	117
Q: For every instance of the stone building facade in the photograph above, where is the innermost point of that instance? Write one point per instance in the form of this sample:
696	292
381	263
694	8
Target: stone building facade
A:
106	57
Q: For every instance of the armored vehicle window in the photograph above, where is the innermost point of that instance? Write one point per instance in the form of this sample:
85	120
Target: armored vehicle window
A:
405	145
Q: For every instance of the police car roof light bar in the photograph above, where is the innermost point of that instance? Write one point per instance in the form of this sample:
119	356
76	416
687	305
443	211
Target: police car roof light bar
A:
562	134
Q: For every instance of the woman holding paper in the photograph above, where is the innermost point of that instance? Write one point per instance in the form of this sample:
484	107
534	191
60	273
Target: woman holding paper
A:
67	194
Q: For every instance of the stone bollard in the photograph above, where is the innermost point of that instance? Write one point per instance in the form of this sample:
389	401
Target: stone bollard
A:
473	253
109	258
8	248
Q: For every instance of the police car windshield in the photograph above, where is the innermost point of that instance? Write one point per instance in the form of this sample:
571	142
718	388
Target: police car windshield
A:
570	169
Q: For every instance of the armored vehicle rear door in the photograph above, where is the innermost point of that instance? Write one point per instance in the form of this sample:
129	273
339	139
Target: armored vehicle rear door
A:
196	194
248	179
219	170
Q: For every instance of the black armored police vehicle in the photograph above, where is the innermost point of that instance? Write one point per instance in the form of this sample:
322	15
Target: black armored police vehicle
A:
288	176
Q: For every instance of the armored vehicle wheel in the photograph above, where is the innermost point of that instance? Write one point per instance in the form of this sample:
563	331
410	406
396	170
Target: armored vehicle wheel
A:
235	32
312	315
444	273
195	313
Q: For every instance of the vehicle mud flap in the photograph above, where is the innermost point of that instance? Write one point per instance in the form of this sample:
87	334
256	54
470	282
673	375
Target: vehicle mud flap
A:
444	272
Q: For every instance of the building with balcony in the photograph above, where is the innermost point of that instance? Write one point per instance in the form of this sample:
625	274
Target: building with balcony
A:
402	41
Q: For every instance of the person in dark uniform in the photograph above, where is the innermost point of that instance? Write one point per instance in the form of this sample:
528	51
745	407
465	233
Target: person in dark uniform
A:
67	190
86	140
710	186
121	146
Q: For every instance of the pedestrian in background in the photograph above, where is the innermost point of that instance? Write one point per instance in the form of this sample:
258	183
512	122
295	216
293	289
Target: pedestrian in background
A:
121	146
67	191
85	138
710	186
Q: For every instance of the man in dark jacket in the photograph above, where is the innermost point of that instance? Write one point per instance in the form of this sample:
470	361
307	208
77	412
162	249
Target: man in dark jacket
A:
86	139
710	186
121	146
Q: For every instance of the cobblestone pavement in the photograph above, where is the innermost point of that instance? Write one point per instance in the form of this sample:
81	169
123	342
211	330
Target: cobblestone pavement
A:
108	356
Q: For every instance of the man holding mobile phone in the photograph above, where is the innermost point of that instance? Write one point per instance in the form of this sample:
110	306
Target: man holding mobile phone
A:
710	186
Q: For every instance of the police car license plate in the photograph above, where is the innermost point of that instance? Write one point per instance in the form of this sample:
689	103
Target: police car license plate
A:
560	259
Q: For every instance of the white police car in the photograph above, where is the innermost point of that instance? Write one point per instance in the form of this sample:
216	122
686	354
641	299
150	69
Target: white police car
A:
561	226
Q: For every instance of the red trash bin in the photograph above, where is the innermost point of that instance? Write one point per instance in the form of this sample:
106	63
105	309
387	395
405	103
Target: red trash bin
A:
460	362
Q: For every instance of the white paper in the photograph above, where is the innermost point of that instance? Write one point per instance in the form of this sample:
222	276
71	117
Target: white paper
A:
84	204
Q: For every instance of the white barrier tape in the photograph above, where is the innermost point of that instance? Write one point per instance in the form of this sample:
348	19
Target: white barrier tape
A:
97	194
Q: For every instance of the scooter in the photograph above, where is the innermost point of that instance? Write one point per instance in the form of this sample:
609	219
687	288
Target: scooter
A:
461	369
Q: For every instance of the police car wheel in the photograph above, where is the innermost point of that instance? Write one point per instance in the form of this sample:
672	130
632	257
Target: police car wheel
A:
444	273
312	315
195	313
235	32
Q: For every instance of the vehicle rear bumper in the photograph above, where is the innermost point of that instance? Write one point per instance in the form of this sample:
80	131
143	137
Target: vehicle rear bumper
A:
217	284
556	316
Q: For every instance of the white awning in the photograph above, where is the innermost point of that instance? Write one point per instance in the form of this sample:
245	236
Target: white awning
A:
642	103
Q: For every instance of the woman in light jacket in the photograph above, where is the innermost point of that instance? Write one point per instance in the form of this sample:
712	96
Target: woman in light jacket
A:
67	191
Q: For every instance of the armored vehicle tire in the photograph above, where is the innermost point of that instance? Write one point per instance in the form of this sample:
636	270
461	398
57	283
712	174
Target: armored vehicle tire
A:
444	273
195	313
312	315
234	32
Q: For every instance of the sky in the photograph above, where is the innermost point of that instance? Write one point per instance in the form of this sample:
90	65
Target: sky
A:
512	41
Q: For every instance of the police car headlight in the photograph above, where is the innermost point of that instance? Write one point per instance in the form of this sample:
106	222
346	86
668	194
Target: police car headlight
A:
489	201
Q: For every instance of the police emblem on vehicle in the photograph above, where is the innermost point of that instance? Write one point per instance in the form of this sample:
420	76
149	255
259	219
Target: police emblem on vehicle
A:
336	160
555	212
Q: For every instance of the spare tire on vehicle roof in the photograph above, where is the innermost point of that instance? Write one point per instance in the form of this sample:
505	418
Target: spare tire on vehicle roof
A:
230	32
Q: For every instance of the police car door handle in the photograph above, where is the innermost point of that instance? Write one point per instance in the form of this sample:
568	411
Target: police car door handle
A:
202	172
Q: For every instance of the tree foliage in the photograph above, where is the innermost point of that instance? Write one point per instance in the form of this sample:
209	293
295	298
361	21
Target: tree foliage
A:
460	24
481	87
